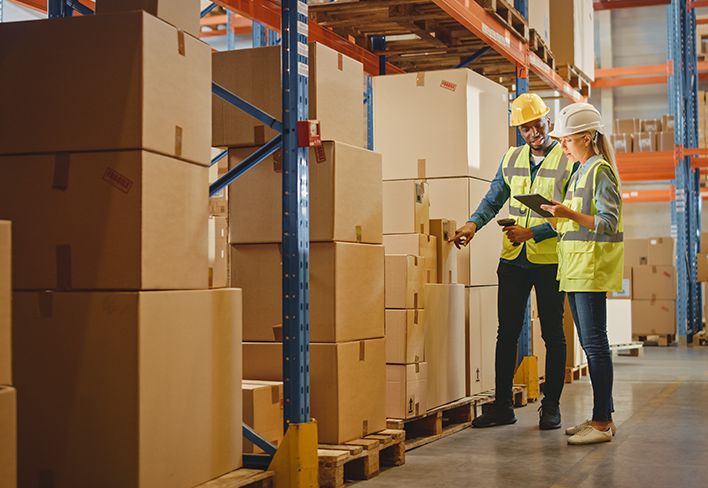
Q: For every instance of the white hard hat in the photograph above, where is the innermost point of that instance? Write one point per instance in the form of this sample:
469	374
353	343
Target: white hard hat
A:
576	118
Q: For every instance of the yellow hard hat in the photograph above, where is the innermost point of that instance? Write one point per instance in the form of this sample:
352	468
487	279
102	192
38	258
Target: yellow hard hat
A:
527	107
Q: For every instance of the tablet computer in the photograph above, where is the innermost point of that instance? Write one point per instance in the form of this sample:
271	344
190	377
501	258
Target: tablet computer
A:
534	202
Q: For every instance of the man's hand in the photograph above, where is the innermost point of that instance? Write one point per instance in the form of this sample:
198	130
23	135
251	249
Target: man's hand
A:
558	210
464	234
518	234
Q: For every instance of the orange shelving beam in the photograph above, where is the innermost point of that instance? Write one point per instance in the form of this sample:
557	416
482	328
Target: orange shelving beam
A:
616	4
640	75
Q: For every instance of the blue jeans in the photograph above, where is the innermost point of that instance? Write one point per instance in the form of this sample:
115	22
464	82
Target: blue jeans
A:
590	315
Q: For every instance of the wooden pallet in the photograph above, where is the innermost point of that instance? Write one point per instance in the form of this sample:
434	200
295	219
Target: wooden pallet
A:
701	338
360	459
633	349
574	374
505	12
538	46
662	340
576	78
484	400
242	478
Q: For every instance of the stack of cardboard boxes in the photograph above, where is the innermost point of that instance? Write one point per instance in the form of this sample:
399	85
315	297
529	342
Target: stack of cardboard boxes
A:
8	395
346	270
114	325
702	260
571	22
643	135
442	135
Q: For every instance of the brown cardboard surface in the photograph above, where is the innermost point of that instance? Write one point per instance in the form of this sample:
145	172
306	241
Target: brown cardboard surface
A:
335	95
218	252
651	317
346	290
345	197
661	251
480	333
445	343
444	230
5	303
622	143
704	243
347	384
538	347
406	207
653	282
405	336
667	122
627	126
183	14
572	34
263	411
665	141
643	142
145	95
651	125
702	260
128	375
636	252
406	386
421	245
123	220
8	439
405	278
446	123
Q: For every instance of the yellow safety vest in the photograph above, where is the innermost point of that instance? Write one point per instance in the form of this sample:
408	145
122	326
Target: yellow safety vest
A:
550	182
588	261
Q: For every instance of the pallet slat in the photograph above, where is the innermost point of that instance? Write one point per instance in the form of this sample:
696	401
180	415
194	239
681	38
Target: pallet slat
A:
242	478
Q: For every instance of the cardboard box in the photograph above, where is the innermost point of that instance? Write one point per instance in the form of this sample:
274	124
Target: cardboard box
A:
421	245
152	92
444	230
406	207
345	196
622	143
704	243
667	122
437	124
405	278
651	125
218	252
626	291
661	251
445	343
572	34
665	141
347	384
627	126
5	303
481	327
335	95
643	142
540	18
346	290
574	353
702	260
263	411
653	282
183	14
653	317
124	220
218	206
405	336
538	347
152	376
636	252
406	386
458	198
619	321
8	439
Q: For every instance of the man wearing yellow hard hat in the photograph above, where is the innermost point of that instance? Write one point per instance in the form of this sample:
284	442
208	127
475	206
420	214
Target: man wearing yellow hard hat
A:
529	258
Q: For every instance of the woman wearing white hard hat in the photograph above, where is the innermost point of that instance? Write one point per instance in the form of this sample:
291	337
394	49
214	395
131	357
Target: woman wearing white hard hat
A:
590	253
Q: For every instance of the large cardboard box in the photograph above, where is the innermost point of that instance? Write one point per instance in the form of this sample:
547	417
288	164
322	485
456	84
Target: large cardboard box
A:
653	317
661	251
346	290
540	18
444	230
183	14
405	279
538	346
627	126
440	124
405	336
643	142
622	143
457	198
653	282
152	91
667	122
218	252
482	323
573	34
406	207
665	141
347	384
5	303
137	389
8	439
445	343
619	321
263	411
651	125
335	95
124	220
406	390
345	197
702	260
421	245
636	253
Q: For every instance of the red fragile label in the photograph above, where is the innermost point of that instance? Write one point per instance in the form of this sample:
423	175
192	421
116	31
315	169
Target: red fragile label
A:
320	153
117	180
448	85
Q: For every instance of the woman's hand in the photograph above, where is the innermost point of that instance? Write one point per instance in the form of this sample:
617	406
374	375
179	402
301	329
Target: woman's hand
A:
558	210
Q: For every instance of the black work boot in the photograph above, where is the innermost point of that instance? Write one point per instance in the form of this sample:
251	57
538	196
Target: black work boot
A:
496	415
549	416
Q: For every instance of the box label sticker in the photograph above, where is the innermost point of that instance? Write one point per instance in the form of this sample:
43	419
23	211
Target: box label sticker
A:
117	180
448	85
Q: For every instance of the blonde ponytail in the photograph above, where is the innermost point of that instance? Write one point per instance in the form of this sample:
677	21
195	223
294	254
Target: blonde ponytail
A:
606	150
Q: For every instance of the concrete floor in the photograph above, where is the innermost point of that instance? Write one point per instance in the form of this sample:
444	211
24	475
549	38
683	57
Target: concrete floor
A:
661	403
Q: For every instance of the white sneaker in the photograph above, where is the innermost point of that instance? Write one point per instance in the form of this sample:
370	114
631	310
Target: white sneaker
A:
590	435
578	428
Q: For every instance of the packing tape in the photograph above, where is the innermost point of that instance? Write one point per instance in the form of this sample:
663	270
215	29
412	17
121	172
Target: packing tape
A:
449	276
259	134
340	62
275	394
420	79
415	300
60	180
417	408
417	365
320	154
365	428
428	276
63	263
278	161
358	231
180	43
362	350
421	169
45	304
415	317
178	140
